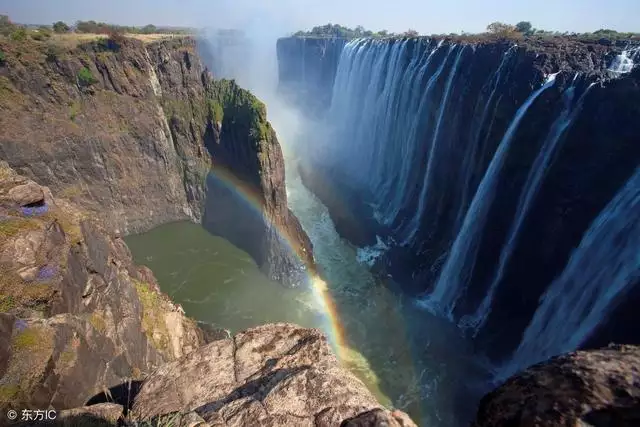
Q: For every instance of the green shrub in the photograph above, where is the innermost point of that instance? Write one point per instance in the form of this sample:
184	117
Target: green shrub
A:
74	109
85	77
61	27
216	112
41	34
19	34
7	303
3	57
53	52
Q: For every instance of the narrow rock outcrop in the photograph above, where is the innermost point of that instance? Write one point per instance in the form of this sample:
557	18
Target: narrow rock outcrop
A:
246	193
585	388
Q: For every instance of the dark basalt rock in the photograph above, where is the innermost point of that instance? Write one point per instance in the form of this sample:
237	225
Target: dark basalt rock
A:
594	388
352	217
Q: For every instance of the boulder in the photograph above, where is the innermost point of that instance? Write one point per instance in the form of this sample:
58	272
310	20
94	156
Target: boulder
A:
272	375
26	194
585	388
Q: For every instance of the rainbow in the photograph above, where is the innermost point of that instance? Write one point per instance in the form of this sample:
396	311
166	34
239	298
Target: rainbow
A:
332	327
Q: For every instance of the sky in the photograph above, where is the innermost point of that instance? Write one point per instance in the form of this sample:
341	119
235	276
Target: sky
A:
286	16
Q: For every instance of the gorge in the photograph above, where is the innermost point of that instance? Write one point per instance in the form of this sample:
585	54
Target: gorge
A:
454	210
479	167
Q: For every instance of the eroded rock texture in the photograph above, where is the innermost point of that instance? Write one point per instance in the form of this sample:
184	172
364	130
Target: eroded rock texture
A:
273	375
130	131
126	144
77	317
586	388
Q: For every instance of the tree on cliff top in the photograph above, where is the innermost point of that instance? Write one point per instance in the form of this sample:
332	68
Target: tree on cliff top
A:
524	27
501	29
338	31
61	27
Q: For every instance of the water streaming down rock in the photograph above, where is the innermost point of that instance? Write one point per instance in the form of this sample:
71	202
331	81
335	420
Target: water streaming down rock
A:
476	134
578	300
530	190
457	269
482	176
378	88
433	153
624	62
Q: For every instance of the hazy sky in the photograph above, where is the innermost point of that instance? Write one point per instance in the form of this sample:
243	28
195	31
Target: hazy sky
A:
426	16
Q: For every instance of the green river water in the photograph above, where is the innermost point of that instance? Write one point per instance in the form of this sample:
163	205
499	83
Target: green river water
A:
408	358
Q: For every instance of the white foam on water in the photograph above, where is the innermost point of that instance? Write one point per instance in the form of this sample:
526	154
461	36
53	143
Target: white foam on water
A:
368	255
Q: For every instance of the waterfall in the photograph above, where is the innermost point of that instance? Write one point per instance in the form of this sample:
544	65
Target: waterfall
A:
537	173
600	271
414	223
458	266
412	139
624	62
474	143
378	110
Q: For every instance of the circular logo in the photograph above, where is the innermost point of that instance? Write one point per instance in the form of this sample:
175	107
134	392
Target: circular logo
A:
12	415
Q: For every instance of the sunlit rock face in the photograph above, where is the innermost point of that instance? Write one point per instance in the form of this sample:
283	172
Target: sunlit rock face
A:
486	168
272	375
77	316
128	146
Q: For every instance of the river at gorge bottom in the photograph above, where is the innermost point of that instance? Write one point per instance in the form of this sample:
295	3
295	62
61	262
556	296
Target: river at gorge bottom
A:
408	358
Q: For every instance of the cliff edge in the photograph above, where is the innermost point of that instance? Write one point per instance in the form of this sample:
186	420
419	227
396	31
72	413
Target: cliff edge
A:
130	130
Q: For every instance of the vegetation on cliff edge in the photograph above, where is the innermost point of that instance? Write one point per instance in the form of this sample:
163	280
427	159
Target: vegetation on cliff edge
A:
228	102
494	30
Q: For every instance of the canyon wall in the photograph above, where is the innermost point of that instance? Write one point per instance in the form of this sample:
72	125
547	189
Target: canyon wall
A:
480	166
77	317
130	130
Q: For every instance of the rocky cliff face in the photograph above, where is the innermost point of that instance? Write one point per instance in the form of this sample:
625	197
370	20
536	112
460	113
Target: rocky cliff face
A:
112	125
481	169
123	128
77	316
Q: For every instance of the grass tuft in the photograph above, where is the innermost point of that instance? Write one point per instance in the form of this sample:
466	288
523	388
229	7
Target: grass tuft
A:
13	226
27	340
7	303
153	310
98	322
8	393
